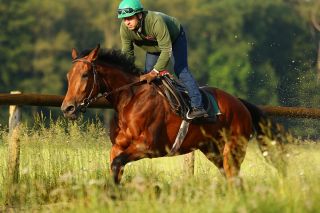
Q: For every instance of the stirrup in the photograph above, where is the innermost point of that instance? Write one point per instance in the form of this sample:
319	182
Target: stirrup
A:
202	114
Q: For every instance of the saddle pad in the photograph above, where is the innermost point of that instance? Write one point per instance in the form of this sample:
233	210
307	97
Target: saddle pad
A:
179	100
209	103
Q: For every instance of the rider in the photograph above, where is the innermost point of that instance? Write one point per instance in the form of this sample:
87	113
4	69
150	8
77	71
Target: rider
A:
160	36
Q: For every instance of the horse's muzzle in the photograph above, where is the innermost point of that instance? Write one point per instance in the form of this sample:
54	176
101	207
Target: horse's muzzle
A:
69	111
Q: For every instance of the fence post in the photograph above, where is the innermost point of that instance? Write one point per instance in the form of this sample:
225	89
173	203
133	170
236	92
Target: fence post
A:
189	163
13	151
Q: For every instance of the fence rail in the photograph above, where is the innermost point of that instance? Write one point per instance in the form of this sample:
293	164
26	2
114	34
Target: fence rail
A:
292	112
56	101
43	100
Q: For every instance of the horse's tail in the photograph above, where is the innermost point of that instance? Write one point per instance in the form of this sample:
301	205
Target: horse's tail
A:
259	117
270	137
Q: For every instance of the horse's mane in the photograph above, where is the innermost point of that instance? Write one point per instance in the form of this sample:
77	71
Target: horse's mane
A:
116	58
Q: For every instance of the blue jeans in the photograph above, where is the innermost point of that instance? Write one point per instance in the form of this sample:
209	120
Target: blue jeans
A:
180	54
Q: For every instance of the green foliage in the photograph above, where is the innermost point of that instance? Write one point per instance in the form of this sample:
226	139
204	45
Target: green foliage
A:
279	37
230	63
262	85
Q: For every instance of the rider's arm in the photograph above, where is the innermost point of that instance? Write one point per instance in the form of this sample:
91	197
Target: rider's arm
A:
126	43
162	36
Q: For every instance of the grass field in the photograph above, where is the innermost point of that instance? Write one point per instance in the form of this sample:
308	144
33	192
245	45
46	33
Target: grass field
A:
64	167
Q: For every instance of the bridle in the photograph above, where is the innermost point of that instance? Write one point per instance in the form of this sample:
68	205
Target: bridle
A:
82	107
88	100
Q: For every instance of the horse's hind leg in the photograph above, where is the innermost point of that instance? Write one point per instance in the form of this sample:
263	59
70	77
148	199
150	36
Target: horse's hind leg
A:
233	155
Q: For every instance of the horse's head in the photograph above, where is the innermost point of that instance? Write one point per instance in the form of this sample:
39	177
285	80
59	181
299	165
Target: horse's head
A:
83	84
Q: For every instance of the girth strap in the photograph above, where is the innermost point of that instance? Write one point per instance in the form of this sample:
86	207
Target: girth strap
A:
183	130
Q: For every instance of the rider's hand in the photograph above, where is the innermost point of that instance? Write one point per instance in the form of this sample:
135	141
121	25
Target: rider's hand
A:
149	76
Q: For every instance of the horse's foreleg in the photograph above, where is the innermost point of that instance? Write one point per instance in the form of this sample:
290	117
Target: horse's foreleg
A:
115	172
132	153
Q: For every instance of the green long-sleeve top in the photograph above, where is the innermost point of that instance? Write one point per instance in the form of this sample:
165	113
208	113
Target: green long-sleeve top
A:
156	34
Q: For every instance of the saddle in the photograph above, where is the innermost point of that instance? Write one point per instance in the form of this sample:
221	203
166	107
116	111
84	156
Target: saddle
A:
179	100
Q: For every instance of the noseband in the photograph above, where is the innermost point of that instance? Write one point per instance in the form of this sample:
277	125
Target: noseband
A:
88	100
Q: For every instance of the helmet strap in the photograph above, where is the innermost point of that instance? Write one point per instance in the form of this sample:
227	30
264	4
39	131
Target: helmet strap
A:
140	17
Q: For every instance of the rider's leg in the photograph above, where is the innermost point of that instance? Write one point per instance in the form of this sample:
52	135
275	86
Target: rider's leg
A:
180	54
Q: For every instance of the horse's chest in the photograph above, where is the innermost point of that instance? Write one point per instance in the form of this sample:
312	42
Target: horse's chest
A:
128	131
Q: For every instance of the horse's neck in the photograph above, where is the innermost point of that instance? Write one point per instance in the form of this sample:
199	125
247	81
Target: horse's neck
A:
114	79
137	97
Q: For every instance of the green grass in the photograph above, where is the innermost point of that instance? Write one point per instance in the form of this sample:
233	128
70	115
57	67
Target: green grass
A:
64	167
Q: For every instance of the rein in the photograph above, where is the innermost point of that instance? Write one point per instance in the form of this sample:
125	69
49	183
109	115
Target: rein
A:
88	100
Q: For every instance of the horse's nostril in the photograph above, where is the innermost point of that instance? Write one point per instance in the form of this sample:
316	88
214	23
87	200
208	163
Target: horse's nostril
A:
70	109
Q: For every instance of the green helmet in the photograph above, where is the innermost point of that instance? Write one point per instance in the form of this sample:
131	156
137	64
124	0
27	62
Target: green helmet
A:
128	8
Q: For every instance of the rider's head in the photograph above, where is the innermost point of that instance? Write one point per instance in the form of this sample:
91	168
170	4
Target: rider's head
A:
130	12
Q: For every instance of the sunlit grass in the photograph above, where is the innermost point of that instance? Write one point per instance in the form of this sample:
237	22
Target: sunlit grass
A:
65	167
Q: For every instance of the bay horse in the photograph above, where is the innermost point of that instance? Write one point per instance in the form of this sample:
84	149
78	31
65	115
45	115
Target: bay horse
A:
144	125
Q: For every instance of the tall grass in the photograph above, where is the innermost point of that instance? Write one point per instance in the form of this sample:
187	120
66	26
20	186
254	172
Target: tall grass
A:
64	166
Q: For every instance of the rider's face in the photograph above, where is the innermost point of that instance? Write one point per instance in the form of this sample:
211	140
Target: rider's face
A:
131	22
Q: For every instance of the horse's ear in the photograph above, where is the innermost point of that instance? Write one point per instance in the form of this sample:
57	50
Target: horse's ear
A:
74	54
94	53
